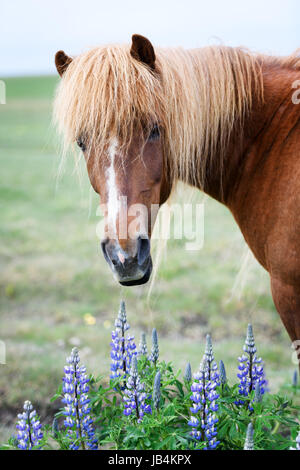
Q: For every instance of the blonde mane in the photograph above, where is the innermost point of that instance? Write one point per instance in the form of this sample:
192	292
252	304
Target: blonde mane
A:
197	97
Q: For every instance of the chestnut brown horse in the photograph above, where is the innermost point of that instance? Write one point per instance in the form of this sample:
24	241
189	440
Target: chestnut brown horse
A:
221	119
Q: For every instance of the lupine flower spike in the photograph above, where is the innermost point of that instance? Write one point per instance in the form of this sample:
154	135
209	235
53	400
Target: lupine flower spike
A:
155	349
258	395
156	390
134	395
123	347
77	409
249	442
223	376
188	373
295	379
204	397
212	368
29	434
55	427
143	350
251	370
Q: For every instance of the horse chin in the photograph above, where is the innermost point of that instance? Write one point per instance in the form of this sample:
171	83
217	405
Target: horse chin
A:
142	280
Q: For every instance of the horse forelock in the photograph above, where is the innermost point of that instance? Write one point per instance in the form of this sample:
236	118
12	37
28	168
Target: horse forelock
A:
105	93
197	97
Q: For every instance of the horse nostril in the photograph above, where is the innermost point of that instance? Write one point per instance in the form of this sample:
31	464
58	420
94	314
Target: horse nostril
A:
110	253
143	250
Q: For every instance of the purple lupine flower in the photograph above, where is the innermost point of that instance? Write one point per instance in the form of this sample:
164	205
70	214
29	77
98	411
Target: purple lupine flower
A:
249	442
123	347
204	397
188	373
134	394
77	405
29	434
251	371
212	368
154	349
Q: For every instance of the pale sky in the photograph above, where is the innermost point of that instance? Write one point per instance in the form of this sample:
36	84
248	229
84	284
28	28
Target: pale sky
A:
32	31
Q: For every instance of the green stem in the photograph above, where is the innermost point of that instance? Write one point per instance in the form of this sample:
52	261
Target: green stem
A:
276	427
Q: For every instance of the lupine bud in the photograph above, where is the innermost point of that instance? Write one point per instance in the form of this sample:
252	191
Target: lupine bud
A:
55	427
121	321
258	394
249	442
295	378
155	349
249	346
156	390
209	349
211	365
143	351
134	365
188	373
223	377
203	365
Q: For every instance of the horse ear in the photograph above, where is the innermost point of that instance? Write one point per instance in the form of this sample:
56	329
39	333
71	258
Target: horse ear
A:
62	61
142	50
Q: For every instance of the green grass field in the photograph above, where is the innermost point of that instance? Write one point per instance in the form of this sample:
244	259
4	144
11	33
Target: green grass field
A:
54	281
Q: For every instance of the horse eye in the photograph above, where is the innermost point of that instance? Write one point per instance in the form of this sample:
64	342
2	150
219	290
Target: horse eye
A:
81	144
155	133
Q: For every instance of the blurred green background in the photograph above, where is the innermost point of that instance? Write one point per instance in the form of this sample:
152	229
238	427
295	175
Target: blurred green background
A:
57	292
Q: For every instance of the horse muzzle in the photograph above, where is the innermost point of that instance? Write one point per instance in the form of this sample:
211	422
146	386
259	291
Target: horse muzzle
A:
129	270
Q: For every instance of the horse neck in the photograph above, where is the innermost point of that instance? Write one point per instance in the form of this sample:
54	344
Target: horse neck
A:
260	128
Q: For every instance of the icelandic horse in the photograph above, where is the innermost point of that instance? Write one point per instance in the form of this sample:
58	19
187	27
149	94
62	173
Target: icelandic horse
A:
221	119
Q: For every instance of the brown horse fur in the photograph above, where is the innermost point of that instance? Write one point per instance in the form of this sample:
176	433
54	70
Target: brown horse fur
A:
228	126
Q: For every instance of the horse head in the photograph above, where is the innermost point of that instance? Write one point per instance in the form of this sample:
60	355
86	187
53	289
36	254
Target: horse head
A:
128	173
